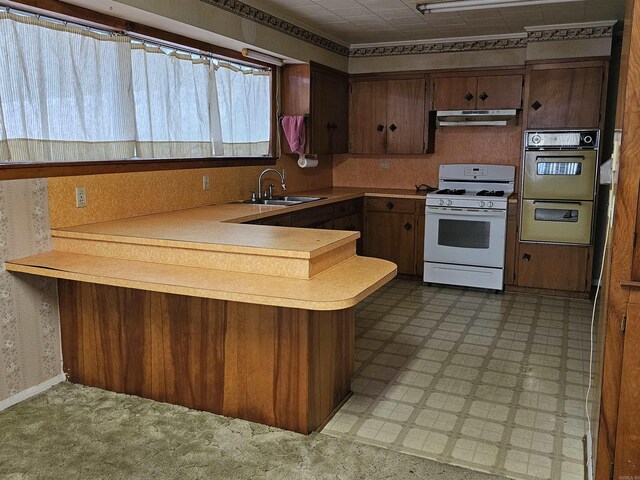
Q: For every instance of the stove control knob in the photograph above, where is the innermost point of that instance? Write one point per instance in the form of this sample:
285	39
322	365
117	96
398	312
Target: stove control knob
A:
441	202
482	204
449	202
536	139
489	204
587	139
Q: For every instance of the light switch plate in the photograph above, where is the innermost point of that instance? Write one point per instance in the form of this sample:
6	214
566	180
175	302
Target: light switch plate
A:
205	183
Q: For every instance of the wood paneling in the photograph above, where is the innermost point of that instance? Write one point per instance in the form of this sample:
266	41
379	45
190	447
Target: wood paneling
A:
568	97
554	267
406	113
368	117
278	366
627	452
623	242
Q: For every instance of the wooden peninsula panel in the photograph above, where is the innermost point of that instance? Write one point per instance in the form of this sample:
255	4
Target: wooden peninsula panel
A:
285	367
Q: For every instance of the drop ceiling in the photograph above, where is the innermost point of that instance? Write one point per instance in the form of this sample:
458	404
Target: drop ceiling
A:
353	22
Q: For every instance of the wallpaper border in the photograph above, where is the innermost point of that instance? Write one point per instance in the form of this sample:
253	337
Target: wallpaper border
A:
539	35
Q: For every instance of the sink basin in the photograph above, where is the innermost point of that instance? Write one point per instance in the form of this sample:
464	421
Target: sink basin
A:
283	200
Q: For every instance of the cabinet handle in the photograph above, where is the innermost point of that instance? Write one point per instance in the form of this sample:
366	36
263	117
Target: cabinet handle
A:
407	226
393	127
390	205
380	128
469	96
484	96
526	257
536	105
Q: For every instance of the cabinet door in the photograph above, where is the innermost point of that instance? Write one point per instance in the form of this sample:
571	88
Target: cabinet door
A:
511	249
340	114
455	93
321	111
565	97
499	91
420	238
368	117
391	236
329	111
554	267
406	112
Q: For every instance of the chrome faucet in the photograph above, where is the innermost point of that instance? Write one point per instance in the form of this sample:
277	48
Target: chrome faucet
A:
283	178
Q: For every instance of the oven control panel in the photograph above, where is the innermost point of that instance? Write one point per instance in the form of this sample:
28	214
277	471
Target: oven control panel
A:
575	139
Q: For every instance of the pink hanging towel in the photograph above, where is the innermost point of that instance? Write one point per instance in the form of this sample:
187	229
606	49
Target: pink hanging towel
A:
293	126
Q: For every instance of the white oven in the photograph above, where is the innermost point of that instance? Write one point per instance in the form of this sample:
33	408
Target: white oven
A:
472	237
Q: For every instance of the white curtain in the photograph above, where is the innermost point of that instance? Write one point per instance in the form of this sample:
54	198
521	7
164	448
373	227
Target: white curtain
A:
65	92
244	98
176	107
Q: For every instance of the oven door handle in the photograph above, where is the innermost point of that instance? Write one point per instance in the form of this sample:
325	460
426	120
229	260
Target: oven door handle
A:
561	202
466	213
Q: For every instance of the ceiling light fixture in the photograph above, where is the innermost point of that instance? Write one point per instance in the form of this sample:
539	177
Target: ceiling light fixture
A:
263	57
436	6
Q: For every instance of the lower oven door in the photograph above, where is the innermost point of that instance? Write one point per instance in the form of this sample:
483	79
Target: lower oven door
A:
465	237
556	222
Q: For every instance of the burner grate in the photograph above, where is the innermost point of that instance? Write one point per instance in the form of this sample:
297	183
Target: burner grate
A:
490	193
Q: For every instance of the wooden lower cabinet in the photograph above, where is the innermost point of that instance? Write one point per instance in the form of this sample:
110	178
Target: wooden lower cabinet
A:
285	367
394	230
511	249
554	267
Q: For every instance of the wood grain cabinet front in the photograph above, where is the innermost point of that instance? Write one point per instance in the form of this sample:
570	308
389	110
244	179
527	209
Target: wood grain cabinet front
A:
394	231
565	95
322	94
388	116
564	268
466	92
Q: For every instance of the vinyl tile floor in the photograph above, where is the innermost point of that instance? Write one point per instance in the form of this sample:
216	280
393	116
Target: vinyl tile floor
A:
492	382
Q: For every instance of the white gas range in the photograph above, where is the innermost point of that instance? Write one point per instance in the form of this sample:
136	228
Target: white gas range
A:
466	225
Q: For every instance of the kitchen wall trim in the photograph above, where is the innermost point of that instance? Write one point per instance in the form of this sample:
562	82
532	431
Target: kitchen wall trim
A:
32	391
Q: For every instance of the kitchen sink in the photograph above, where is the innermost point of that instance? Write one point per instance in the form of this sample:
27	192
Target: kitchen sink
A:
283	200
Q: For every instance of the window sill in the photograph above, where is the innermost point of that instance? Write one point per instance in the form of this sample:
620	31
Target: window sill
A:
15	171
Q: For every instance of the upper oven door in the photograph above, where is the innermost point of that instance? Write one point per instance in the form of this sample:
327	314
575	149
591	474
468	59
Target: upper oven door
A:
560	175
465	237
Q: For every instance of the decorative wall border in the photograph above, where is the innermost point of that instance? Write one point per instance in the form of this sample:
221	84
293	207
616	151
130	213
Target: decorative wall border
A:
263	18
576	33
533	34
444	47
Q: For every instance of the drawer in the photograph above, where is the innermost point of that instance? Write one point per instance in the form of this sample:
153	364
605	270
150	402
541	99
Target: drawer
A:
398	205
312	216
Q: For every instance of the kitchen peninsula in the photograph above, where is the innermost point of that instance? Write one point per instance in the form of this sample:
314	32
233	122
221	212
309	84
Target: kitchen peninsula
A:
194	308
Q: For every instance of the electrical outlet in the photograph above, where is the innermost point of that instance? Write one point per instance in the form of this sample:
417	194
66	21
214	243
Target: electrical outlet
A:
205	183
81	197
384	165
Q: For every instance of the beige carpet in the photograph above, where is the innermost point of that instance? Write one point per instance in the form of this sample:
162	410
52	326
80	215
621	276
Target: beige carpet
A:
74	432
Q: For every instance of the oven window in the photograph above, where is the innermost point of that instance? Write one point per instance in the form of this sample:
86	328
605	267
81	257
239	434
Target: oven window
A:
556	215
464	233
559	168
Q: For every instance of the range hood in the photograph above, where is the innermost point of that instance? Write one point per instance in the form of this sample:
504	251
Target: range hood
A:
476	118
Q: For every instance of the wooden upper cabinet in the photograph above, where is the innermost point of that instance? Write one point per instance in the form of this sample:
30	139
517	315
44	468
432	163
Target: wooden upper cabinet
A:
388	116
455	93
500	92
368	117
564	97
490	92
323	95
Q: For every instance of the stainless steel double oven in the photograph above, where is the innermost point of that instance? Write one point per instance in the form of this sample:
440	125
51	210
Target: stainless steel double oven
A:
559	186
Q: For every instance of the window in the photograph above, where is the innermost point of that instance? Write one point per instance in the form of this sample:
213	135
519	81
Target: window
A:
70	94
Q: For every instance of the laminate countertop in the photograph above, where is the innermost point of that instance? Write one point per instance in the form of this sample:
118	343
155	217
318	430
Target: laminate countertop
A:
208	252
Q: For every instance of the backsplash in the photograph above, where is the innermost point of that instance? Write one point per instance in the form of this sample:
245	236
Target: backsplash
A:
497	145
126	195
